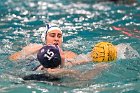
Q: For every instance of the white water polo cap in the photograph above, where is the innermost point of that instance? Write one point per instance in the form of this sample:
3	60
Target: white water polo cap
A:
49	29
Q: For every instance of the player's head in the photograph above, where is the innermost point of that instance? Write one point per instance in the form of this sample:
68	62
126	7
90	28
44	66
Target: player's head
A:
49	56
52	35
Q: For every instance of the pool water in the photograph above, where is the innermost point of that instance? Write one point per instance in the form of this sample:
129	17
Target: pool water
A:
84	23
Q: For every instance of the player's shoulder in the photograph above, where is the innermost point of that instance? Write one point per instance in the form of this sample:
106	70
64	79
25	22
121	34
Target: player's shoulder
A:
69	54
33	45
36	45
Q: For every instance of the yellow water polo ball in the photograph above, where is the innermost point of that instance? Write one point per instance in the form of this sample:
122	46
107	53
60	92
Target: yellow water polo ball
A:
104	52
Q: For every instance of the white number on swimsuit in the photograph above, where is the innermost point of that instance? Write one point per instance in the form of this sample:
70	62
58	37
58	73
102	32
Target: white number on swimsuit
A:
49	54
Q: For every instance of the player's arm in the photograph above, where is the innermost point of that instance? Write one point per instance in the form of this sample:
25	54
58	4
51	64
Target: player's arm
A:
26	51
78	60
97	69
61	72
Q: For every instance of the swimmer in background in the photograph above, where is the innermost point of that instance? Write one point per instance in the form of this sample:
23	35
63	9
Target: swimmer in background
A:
53	36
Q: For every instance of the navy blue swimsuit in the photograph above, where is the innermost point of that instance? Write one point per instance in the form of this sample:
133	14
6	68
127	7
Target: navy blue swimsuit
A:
41	77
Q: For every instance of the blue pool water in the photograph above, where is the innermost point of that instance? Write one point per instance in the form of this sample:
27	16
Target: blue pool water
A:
84	23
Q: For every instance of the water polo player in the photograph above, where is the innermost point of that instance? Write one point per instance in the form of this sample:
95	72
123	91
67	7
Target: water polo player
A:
49	57
52	36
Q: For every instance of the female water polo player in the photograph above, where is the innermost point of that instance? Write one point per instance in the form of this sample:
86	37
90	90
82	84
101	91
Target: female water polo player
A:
50	60
52	36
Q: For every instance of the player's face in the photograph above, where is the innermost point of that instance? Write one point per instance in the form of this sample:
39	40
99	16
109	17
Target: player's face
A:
54	37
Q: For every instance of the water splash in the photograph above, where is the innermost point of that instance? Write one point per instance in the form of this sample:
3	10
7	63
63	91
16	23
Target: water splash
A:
125	51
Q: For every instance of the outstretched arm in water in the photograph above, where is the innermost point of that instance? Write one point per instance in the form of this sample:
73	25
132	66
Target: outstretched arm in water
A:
25	52
78	60
97	69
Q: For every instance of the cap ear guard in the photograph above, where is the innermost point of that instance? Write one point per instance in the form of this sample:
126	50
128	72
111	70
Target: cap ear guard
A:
43	37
